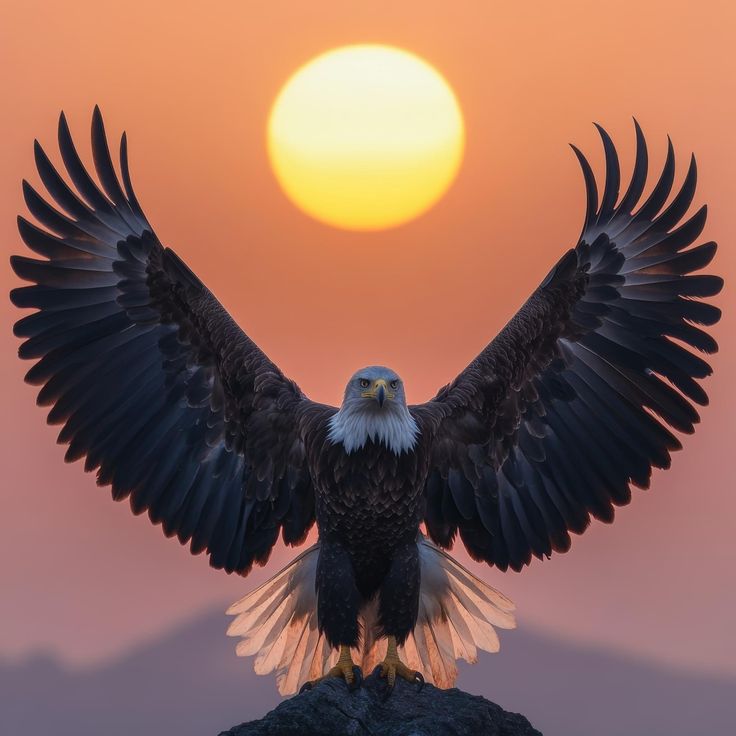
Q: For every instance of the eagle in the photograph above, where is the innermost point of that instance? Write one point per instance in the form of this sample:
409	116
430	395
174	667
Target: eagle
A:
551	425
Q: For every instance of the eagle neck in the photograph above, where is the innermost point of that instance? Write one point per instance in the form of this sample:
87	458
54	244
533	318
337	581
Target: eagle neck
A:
355	424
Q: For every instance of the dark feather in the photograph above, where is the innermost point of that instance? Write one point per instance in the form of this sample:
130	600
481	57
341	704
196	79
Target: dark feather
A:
601	380
155	384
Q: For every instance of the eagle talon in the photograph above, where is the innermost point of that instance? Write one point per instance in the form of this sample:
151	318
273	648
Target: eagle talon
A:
392	666
357	679
345	669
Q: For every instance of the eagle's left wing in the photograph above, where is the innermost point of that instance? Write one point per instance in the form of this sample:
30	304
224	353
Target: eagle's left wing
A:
574	399
156	385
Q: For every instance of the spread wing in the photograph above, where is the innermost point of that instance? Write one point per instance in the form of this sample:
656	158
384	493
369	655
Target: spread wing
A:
576	398
155	384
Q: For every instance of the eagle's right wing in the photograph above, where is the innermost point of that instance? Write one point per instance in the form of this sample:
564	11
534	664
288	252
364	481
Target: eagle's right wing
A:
573	401
154	382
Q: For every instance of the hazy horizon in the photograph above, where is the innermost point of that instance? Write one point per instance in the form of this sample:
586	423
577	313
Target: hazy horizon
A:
561	687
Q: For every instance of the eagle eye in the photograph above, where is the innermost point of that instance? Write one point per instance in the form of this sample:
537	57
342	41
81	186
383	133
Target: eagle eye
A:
394	384
364	383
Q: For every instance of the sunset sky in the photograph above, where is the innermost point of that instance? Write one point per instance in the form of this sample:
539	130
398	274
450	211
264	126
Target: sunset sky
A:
193	83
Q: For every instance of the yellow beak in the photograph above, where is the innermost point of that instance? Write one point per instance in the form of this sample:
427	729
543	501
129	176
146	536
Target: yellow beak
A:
378	391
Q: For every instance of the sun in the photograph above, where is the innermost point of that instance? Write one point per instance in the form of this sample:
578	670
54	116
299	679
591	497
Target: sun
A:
366	137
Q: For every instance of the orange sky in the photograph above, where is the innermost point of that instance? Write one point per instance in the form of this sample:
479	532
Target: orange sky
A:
192	84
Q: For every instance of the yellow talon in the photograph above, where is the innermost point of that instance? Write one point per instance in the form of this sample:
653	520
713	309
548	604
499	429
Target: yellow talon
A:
344	668
393	666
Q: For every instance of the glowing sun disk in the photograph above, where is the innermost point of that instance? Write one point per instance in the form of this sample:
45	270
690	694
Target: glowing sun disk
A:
365	137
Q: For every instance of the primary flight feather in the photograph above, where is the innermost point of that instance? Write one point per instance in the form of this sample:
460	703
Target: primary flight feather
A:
173	405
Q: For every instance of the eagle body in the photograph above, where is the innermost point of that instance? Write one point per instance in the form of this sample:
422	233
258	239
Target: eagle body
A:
368	505
157	389
370	498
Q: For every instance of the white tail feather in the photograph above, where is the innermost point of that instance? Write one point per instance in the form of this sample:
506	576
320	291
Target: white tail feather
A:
277	622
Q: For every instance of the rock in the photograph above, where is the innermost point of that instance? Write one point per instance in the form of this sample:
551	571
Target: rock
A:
331	710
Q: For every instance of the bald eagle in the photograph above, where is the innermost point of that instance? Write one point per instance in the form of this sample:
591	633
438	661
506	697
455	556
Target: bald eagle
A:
176	409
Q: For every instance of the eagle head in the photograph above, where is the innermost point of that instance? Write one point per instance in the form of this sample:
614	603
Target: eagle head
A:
375	388
374	409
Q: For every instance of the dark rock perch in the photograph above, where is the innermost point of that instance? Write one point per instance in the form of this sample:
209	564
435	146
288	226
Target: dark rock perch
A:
330	710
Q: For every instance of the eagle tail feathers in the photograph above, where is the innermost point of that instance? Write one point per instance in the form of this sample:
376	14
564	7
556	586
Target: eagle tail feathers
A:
277	624
458	614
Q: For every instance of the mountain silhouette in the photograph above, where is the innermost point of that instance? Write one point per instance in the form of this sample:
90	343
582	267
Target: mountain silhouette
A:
190	683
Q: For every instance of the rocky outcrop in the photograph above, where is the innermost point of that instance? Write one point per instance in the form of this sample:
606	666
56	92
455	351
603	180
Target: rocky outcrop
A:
331	710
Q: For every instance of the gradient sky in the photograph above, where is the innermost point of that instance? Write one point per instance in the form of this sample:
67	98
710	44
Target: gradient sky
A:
192	83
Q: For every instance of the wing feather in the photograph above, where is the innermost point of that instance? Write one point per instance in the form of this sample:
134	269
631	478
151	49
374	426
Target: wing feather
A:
575	400
155	385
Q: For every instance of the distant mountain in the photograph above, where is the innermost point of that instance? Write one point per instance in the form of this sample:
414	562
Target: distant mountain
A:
190	683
